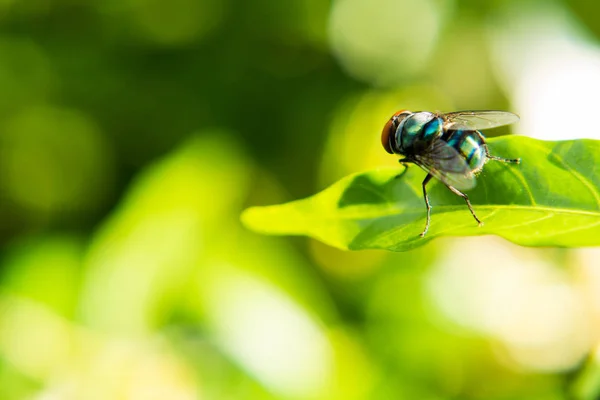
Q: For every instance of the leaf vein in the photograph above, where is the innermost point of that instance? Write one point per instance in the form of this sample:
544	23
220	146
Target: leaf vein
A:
519	175
525	223
574	229
450	208
586	182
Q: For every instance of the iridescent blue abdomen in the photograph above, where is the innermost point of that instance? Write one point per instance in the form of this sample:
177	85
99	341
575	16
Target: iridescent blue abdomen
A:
470	145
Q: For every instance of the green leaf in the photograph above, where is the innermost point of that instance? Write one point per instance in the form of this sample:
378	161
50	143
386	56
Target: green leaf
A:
551	199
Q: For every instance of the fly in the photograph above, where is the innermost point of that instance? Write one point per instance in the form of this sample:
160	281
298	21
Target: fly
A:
448	147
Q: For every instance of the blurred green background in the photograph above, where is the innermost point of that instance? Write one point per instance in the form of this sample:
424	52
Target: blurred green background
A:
134	132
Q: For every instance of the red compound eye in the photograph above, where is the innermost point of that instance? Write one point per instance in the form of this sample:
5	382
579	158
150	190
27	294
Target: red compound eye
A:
388	130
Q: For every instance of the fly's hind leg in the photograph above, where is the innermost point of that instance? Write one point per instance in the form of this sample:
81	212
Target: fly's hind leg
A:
464	196
425	181
504	160
496	158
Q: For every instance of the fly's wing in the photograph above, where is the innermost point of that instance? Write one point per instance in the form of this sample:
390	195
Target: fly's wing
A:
446	164
476	120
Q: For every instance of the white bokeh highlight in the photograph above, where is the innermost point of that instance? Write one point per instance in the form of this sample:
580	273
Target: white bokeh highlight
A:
550	70
269	335
534	310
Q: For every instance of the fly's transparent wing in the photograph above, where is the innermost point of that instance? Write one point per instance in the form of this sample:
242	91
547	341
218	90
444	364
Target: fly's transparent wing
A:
446	164
476	120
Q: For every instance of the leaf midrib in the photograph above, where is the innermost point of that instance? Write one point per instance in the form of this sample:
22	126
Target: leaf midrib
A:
451	208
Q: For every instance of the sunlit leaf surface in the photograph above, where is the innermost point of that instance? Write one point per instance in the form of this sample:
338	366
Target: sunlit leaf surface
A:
551	199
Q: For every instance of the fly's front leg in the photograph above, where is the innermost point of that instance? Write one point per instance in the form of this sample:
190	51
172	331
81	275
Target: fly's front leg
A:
464	196
405	163
425	181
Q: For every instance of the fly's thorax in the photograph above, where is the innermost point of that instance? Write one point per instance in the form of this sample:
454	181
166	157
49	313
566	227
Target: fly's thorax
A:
470	145
416	132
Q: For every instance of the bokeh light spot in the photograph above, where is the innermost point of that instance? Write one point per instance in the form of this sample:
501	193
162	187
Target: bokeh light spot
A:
535	311
26	75
384	42
551	70
176	21
54	161
268	333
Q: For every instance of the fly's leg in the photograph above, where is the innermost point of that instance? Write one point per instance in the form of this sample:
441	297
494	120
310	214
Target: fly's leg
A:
464	196
504	160
495	158
425	181
405	163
